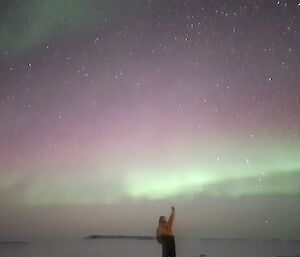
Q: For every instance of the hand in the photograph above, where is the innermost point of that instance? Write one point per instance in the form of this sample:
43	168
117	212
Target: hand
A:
173	208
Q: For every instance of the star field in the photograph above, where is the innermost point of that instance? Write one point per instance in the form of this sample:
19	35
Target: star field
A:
104	102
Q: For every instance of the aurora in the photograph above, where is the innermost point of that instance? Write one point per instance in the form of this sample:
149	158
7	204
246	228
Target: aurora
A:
110	107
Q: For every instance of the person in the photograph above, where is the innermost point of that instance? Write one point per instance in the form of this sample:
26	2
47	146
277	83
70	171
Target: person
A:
165	236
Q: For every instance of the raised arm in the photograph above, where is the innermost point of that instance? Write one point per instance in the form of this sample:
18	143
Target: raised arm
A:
172	216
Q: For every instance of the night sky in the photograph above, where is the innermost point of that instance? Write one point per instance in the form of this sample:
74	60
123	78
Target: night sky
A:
113	111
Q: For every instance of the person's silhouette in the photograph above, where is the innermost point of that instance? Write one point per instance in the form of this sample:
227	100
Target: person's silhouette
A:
165	236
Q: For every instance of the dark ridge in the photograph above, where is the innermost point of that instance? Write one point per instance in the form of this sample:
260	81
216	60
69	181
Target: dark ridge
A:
288	256
119	237
258	240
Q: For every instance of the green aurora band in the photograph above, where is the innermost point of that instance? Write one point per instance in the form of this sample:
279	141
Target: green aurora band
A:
278	174
30	25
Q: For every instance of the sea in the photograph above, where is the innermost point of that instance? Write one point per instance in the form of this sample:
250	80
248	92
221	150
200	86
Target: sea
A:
149	248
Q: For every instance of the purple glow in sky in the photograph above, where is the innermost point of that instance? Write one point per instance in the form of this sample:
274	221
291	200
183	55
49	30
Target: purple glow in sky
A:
112	112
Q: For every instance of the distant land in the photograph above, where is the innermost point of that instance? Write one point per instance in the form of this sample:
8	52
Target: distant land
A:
250	239
119	237
288	256
204	239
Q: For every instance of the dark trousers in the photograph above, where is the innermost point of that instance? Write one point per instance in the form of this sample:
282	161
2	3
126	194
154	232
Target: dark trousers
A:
168	246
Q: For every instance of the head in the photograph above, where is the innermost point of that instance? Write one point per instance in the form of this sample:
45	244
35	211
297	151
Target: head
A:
162	220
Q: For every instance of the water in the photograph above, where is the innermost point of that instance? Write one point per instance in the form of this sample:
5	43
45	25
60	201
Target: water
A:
140	248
